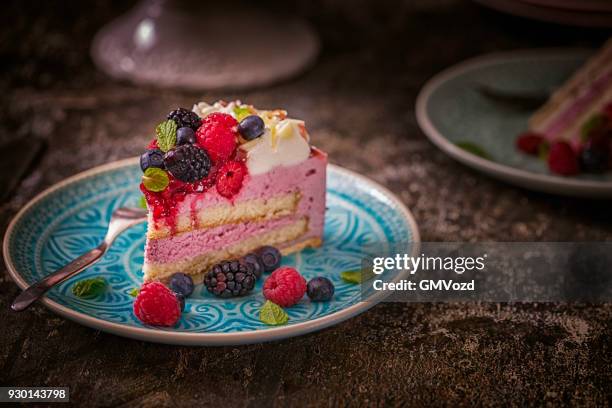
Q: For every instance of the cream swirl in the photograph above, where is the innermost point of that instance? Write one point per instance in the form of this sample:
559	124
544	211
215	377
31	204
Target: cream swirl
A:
285	141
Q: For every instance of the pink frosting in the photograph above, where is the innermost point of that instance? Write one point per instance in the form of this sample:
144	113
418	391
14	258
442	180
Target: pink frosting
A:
307	177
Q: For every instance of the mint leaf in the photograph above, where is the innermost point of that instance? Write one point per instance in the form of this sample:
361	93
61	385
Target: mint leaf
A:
142	203
241	112
357	276
594	123
272	314
474	149
155	179
88	288
166	135
134	292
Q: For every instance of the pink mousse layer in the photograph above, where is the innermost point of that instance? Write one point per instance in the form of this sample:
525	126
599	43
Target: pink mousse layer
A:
188	245
566	118
307	177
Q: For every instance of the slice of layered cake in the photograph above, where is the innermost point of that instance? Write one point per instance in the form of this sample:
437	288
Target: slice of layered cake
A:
577	106
572	131
225	179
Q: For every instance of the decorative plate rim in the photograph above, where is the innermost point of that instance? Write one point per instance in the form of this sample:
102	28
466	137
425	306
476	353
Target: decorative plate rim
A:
544	181
198	338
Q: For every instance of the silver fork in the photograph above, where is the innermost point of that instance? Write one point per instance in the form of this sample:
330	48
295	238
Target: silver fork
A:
121	219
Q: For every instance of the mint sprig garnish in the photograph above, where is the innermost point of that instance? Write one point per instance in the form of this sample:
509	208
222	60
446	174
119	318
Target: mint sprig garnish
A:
134	292
155	179
272	314
474	149
357	275
166	135
89	288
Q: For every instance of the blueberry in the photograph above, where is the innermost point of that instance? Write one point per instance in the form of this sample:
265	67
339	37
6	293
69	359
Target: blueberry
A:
270	258
181	283
181	300
320	289
251	127
594	157
152	158
185	135
253	262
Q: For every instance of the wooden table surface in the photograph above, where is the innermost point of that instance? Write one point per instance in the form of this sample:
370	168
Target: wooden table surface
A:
358	102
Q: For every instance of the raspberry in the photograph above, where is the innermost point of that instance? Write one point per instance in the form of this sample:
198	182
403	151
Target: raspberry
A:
530	142
562	159
222	119
157	305
607	110
285	287
218	136
230	178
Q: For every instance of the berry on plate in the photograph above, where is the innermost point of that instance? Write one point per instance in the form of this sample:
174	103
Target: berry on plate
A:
270	257
187	163
181	283
595	156
185	118
157	305
229	279
181	300
320	289
285	287
253	262
562	159
251	127
218	136
530	143
230	178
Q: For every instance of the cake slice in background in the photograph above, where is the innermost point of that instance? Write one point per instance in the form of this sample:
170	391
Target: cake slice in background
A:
572	131
235	179
578	104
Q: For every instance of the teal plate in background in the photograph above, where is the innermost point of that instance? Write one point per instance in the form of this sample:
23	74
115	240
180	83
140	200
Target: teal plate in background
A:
449	110
71	217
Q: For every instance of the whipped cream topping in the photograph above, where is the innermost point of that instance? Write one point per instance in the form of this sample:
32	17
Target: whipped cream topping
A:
285	141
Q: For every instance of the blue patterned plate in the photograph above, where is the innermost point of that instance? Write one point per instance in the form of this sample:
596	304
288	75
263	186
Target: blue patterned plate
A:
70	217
449	110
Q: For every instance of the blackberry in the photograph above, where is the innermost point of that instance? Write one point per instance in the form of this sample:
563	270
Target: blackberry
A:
185	118
229	279
187	163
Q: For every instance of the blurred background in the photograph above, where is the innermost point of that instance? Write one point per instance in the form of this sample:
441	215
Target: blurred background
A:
360	66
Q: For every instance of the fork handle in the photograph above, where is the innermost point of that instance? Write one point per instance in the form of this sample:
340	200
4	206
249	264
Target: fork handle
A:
38	289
